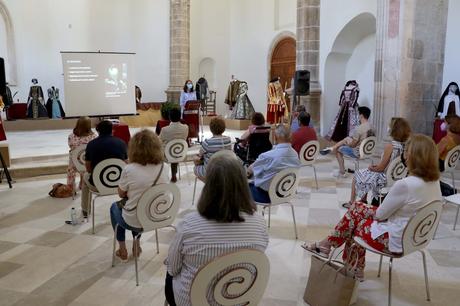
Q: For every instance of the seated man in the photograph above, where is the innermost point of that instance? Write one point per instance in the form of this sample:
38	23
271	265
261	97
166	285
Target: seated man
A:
350	145
103	147
304	133
175	130
268	164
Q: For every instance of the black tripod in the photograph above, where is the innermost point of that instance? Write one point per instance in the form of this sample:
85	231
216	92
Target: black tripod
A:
5	172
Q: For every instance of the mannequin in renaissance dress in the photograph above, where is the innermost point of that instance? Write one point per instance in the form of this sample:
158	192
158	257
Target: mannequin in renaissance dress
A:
449	104
201	89
243	108
35	108
232	93
277	107
53	105
347	119
8	99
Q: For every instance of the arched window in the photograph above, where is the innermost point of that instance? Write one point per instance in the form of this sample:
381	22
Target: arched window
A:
7	46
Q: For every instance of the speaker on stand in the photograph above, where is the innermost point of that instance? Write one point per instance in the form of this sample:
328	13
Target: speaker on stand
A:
301	85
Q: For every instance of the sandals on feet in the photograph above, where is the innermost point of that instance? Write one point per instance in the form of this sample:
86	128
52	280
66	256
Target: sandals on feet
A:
316	249
122	255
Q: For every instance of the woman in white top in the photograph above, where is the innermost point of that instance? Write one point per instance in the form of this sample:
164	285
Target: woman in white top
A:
188	94
226	221
144	170
383	227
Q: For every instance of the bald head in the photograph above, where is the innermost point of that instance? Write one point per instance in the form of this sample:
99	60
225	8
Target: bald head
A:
282	134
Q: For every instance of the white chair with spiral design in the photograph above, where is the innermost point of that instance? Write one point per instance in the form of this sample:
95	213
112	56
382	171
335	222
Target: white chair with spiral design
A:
77	156
283	187
308	154
396	170
238	278
157	208
366	150
417	235
451	162
176	152
106	176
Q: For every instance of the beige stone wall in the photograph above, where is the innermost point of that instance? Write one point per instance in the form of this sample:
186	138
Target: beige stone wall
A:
308	29
409	62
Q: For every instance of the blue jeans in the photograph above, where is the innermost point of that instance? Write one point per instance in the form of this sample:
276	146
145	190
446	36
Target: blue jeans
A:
117	219
347	151
258	194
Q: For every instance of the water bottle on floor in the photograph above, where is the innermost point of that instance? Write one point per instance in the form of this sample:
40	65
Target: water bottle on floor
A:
73	216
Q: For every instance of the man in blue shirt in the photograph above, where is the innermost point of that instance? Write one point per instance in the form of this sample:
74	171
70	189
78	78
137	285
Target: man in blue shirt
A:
103	147
268	164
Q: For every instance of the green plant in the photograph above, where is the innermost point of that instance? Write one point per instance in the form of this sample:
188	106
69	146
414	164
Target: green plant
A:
166	107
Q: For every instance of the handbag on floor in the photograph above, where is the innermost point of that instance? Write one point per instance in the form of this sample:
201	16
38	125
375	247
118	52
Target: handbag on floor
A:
330	283
61	191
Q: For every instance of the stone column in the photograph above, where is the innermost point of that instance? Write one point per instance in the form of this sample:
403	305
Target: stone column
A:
409	62
179	48
308	23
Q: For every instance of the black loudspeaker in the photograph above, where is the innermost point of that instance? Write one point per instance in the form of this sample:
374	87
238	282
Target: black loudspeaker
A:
302	83
2	78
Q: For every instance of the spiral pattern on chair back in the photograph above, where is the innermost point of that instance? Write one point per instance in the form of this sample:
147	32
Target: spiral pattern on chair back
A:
78	157
233	279
285	186
423	229
368	147
309	152
158	206
176	150
231	284
110	175
453	158
399	171
158	209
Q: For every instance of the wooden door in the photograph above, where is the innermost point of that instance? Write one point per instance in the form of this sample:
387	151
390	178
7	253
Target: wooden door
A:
283	61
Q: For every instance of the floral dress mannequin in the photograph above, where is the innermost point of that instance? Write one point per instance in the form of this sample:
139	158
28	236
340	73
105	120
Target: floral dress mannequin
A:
243	107
347	118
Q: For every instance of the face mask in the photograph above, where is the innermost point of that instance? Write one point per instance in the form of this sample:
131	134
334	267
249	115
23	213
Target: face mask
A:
189	86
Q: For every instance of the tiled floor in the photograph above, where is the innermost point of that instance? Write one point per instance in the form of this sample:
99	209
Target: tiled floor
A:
46	262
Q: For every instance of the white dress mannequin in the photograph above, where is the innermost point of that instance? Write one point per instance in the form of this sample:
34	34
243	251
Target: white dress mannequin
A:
451	97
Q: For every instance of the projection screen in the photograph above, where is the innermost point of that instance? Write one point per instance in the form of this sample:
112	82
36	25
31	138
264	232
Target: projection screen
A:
98	84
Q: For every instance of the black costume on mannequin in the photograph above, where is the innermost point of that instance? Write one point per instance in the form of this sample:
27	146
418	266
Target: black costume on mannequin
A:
347	119
8	99
452	107
53	102
201	89
35	108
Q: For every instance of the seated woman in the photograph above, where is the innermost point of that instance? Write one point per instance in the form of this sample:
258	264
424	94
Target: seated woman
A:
226	221
210	146
257	127
373	178
450	141
382	227
144	170
81	134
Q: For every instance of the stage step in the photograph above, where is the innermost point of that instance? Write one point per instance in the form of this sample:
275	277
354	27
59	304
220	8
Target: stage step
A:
27	167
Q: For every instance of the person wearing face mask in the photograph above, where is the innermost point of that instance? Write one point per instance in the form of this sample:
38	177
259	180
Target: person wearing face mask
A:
373	178
188	94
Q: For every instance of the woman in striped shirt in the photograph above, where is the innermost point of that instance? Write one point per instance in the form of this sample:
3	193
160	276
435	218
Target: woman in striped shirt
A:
226	221
210	146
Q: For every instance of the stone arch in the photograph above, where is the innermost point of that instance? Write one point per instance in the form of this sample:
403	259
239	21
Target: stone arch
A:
358	35
207	68
11	48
